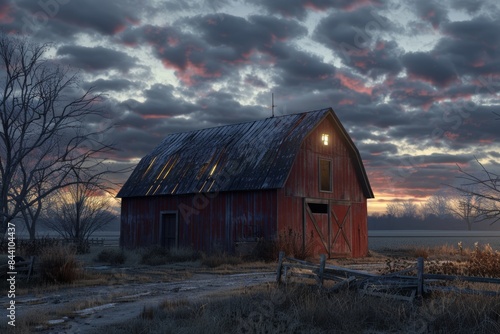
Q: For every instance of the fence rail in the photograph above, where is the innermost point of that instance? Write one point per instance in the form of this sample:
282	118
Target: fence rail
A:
403	285
32	247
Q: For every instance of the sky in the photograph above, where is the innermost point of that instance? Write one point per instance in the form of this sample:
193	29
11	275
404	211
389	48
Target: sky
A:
415	83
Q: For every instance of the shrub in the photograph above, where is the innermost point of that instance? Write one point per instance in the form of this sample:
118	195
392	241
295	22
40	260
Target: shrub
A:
291	243
183	254
265	250
421	252
111	256
154	256
219	259
484	262
158	255
58	264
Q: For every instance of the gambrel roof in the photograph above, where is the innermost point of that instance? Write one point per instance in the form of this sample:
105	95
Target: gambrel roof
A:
247	156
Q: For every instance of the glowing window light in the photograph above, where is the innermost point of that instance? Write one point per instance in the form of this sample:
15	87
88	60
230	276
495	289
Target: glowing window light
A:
212	171
324	139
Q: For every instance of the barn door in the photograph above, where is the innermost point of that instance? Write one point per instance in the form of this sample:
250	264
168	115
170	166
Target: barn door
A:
169	230
341	229
316	226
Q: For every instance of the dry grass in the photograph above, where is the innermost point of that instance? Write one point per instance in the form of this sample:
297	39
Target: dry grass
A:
302	309
157	255
111	256
58	264
26	323
290	242
219	259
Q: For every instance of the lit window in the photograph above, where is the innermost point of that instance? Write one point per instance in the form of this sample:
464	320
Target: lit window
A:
324	139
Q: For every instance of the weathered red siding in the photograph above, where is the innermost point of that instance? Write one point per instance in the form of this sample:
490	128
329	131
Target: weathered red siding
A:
204	223
346	197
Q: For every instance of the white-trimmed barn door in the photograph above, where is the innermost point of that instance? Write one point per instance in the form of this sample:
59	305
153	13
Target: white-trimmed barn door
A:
341	229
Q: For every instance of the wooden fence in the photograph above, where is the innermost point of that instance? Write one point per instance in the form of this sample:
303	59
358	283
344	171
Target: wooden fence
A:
404	285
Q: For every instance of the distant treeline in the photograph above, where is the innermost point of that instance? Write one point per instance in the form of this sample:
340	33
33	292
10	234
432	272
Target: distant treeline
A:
389	222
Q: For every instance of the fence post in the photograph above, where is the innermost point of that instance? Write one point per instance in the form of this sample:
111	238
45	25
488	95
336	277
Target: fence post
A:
280	266
420	277
322	262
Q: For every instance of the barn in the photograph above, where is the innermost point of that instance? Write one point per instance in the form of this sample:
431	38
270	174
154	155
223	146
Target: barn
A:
228	186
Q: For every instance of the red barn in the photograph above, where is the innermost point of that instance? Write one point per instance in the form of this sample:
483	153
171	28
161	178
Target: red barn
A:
217	187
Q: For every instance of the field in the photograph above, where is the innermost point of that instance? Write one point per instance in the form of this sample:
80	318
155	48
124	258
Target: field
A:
188	292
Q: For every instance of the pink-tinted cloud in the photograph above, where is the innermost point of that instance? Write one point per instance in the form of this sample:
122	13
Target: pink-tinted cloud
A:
451	136
188	73
431	80
315	7
155	116
5	14
353	5
354	84
344	102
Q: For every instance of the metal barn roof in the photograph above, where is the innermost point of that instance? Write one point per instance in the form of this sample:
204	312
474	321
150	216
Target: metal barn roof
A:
246	156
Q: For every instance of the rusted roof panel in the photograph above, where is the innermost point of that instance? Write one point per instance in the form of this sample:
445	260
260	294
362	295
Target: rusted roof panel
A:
245	156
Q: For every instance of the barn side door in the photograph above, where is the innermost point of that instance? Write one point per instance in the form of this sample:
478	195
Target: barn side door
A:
316	236
341	229
169	229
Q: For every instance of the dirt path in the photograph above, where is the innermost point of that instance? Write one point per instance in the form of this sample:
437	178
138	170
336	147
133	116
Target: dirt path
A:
123	302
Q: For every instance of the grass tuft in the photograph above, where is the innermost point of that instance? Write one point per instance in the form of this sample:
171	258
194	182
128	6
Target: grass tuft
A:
218	259
58	264
111	256
157	255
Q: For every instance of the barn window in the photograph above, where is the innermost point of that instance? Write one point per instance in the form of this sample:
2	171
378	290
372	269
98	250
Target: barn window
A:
318	207
324	139
325	175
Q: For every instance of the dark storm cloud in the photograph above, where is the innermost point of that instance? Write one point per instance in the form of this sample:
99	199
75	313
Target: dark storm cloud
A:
471	6
93	59
294	8
370	121
301	68
377	149
357	29
382	59
219	108
424	66
255	81
356	37
300	8
218	44
432	11
413	93
160	103
190	5
67	18
242	34
472	46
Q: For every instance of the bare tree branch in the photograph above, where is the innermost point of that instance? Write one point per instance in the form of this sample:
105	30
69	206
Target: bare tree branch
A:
486	190
44	138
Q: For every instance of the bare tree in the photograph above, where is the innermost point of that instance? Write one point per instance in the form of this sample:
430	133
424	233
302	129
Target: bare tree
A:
43	136
436	205
466	206
400	209
78	210
484	188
